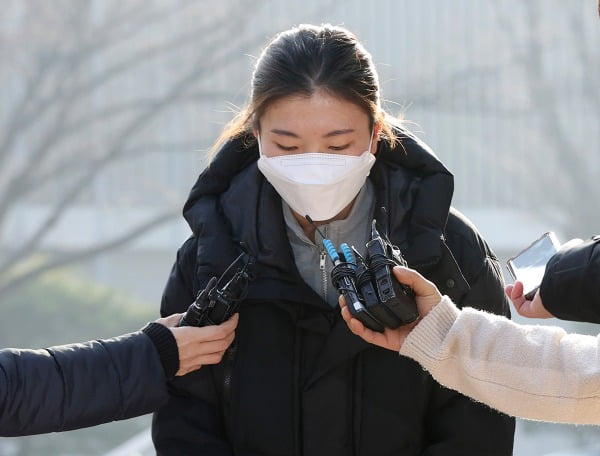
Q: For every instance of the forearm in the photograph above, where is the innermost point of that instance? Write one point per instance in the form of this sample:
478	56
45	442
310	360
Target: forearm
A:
570	289
79	385
534	372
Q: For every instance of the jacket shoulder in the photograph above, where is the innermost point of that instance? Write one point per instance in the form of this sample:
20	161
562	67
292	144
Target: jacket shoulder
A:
182	282
464	239
478	263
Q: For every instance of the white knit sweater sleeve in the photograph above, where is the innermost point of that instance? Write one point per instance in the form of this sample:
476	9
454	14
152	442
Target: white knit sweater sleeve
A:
528	371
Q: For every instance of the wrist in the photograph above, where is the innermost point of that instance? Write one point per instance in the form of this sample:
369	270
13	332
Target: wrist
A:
166	346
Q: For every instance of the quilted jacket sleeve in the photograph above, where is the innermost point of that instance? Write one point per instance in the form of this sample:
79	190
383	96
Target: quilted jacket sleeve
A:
571	286
79	385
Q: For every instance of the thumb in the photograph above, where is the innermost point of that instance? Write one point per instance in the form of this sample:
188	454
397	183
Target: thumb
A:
231	323
410	277
517	290
171	321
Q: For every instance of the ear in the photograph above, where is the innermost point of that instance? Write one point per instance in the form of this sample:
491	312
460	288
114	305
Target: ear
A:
376	130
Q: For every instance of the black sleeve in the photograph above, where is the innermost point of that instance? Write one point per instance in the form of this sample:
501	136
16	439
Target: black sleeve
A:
191	420
79	385
457	425
570	288
166	345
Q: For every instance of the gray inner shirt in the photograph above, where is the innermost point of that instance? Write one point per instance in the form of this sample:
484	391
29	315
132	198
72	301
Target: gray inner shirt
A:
311	257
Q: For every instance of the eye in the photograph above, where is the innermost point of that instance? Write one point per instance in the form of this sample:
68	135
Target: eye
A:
338	148
286	148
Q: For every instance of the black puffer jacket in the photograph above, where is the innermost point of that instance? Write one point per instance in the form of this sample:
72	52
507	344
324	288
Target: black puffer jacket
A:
298	382
571	286
79	385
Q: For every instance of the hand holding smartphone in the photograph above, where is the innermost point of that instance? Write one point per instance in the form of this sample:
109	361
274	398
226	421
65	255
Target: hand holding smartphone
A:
529	265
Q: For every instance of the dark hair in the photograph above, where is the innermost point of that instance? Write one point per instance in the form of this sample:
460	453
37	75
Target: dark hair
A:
305	59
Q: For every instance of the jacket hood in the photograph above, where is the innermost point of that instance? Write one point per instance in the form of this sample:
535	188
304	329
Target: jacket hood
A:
234	156
430	205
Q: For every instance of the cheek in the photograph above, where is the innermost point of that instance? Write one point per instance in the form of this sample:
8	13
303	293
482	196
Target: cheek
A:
271	153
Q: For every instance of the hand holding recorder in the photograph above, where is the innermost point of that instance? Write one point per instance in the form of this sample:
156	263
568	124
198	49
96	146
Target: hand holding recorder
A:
367	284
426	296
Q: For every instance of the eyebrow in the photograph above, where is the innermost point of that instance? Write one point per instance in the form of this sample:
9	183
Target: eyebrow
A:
328	135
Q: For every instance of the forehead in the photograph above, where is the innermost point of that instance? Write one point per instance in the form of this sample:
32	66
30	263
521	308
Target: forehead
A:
321	111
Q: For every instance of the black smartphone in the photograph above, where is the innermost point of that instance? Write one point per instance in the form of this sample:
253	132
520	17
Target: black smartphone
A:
529	265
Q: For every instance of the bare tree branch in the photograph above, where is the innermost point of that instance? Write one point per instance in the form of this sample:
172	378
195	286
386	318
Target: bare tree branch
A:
53	115
23	179
70	166
17	117
9	283
29	178
33	242
29	113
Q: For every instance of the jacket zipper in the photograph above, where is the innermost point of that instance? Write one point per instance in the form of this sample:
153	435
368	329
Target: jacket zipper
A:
322	266
323	260
228	367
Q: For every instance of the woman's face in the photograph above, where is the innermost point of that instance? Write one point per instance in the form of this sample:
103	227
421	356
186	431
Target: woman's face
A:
319	123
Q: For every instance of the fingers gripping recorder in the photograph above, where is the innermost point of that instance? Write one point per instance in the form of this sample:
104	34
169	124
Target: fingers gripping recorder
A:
396	304
215	304
344	278
372	294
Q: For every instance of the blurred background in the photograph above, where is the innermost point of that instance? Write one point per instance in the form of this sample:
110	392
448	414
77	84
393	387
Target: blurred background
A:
108	108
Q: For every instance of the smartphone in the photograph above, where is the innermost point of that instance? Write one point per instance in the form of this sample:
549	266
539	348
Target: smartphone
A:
529	265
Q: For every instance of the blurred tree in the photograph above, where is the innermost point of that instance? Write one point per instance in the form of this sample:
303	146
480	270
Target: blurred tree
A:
58	308
85	86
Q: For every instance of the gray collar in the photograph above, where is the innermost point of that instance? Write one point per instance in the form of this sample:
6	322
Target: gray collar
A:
310	258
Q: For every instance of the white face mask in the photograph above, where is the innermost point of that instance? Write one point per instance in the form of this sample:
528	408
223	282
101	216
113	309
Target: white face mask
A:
317	184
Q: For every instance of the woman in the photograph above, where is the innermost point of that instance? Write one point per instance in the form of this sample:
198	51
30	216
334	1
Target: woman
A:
296	380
